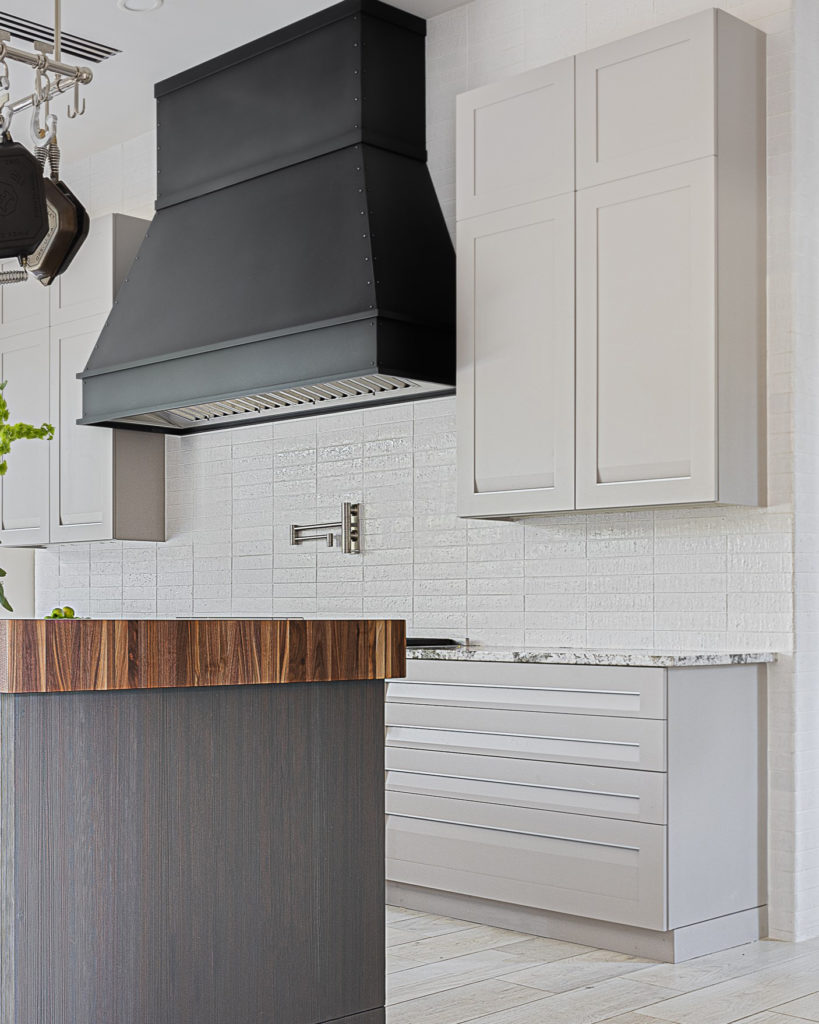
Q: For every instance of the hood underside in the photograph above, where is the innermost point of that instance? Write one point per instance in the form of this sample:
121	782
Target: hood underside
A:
298	261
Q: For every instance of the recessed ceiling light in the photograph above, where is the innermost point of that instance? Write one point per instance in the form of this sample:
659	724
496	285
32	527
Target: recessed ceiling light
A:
139	6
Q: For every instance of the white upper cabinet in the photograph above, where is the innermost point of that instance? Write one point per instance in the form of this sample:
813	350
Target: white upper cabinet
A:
503	160
646	372
24	489
516	309
647	101
23	306
657	339
81	457
90	284
89	483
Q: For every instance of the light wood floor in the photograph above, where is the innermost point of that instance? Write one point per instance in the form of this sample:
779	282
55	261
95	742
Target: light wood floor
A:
442	971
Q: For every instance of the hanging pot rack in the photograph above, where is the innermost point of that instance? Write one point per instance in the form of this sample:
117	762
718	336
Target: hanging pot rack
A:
65	76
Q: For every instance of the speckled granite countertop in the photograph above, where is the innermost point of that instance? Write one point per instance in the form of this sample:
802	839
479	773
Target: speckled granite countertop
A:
579	656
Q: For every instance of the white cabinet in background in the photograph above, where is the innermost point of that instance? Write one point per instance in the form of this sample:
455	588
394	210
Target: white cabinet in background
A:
657	339
23	306
89	483
90	285
24	509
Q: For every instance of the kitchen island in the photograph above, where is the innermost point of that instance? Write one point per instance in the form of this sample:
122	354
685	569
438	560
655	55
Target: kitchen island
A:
191	820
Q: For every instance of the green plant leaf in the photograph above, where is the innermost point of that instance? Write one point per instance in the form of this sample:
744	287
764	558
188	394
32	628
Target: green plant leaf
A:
4	601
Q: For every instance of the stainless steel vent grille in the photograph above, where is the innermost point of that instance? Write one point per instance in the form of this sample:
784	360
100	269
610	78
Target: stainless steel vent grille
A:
76	46
286	402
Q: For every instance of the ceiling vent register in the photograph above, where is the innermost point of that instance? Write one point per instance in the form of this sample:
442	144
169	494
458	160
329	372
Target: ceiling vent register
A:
75	46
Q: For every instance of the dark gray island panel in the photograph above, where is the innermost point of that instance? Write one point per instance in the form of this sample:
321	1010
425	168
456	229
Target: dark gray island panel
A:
196	856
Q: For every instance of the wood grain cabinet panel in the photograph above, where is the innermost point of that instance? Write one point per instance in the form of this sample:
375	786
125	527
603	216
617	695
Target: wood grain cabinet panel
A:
502	161
24	364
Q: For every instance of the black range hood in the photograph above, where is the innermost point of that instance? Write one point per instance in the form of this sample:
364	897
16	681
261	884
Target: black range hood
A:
298	261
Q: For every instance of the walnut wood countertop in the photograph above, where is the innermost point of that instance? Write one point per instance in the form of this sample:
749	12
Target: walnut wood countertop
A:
64	655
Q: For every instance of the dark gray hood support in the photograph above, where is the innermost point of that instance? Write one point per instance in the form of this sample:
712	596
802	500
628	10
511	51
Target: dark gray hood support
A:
298	261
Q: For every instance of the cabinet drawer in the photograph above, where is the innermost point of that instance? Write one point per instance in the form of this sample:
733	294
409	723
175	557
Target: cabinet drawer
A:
590	867
569	689
546	785
579	739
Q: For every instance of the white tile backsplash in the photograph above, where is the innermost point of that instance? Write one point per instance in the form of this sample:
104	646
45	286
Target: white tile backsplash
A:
700	578
706	578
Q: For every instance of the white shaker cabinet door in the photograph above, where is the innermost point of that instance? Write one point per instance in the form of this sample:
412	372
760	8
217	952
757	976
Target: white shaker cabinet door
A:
24	305
516	140
647	101
646	345
81	456
516	360
24	489
90	284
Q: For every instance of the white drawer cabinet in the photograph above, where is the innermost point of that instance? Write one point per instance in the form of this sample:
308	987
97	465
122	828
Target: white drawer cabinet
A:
666	406
89	483
644	822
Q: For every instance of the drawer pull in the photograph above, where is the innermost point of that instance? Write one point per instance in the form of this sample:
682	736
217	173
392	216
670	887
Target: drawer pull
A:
518	832
529	736
520	785
527	689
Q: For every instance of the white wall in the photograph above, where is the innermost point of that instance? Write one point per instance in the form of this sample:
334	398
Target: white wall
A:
714	578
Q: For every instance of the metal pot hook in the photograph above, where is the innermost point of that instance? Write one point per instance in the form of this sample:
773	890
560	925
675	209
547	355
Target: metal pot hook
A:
42	134
77	110
6	115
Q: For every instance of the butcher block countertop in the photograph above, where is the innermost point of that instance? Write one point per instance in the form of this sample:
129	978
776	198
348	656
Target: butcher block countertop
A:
64	655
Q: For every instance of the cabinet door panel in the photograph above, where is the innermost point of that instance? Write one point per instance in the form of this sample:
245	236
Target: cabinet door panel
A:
516	140
591	867
81	457
24	489
516	360
24	306
646	340
647	101
87	287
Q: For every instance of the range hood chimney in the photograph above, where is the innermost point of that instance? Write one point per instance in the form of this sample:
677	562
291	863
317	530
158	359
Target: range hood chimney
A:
298	261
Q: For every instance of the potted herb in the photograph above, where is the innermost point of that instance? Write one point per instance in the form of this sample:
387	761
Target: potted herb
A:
9	433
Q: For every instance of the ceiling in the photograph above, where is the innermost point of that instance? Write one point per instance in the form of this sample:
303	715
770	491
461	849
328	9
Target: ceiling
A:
154	46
